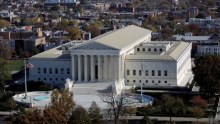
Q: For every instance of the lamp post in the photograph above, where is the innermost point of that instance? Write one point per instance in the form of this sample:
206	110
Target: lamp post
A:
142	69
25	79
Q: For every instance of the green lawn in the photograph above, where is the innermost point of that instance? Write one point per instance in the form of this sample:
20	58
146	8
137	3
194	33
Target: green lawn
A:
16	65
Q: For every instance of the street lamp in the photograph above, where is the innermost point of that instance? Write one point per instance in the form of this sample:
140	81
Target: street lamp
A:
25	79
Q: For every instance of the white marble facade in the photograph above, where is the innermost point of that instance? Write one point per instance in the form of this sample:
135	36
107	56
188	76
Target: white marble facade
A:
108	57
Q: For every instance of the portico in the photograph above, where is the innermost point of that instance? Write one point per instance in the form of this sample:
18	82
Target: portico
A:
89	68
94	62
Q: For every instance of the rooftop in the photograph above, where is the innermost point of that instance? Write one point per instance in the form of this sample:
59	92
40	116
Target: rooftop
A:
54	53
175	51
122	37
191	38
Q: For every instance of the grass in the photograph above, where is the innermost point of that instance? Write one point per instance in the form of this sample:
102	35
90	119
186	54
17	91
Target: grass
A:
16	65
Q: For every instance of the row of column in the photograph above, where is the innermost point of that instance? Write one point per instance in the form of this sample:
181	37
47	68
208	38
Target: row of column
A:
93	68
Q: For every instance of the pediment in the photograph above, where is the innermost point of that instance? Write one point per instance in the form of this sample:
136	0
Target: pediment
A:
93	46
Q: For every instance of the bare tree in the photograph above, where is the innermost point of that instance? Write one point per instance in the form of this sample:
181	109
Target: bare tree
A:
115	102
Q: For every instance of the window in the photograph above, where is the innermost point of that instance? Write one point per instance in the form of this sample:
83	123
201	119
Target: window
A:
38	79
152	81
165	82
128	81
160	49
45	70
56	79
139	72
45	79
134	72
134	81
50	70
38	70
155	49
50	79
139	81
143	49
128	72
159	73
62	79
153	73
146	72
159	82
138	49
146	81
56	70
149	49
165	73
68	71
62	71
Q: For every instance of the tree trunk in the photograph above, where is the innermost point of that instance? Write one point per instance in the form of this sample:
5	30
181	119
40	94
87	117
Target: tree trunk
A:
170	120
116	120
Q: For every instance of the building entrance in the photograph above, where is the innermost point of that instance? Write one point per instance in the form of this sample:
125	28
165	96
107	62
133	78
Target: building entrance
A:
96	72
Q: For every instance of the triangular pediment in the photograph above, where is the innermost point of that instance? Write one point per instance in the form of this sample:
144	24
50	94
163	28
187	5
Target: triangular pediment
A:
93	46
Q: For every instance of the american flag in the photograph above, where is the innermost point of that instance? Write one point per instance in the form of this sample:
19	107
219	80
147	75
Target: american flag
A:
29	65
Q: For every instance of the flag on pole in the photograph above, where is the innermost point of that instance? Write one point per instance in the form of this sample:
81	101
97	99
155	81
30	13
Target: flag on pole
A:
29	65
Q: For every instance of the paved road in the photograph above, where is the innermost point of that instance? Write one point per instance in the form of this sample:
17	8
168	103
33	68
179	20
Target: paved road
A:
176	119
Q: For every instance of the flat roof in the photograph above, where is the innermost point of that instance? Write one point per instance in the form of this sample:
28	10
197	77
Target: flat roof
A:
175	51
54	53
192	38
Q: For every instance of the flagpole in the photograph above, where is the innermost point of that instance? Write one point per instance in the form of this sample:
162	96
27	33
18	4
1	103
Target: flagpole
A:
25	79
142	68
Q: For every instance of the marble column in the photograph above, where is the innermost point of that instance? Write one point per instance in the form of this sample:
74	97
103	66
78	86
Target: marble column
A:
73	67
92	72
79	67
99	68
105	72
112	68
109	68
85	68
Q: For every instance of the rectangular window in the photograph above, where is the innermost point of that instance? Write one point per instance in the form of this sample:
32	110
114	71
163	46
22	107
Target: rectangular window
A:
165	73
45	70
159	73
152	81
127	81
146	72
134	72
138	49
146	81
56	70
153	73
62	71
128	72
134	81
38	70
50	70
139	72
68	71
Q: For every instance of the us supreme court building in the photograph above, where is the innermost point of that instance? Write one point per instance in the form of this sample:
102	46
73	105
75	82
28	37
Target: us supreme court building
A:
124	55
